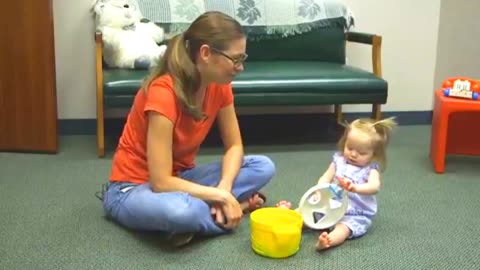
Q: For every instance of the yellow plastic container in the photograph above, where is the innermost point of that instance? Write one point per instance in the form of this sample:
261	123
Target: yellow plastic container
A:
276	232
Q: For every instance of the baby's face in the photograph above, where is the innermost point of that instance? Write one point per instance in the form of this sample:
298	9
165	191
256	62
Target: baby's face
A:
358	148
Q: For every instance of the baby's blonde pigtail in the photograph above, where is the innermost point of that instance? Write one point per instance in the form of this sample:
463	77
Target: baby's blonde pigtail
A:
385	127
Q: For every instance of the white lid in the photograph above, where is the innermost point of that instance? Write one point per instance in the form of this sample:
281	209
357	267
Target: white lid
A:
324	212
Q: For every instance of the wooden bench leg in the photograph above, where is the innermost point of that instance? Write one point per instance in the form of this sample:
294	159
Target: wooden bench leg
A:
100	122
100	117
100	134
100	107
338	113
376	112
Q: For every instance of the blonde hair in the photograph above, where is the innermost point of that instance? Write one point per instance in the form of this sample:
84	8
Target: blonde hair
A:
379	131
213	28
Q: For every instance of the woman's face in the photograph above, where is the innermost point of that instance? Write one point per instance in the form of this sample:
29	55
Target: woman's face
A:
224	65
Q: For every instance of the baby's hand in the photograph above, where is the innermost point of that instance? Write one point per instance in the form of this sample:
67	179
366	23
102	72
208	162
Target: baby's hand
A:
347	184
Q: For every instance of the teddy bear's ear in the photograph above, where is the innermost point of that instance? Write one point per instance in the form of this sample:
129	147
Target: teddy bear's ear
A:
97	6
99	9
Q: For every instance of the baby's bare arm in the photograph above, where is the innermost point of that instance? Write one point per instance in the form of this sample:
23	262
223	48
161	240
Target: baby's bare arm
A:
371	187
328	175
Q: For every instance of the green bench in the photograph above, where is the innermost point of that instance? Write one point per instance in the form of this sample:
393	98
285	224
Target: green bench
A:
299	70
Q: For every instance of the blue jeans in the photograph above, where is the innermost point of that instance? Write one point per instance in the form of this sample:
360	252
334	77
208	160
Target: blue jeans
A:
138	207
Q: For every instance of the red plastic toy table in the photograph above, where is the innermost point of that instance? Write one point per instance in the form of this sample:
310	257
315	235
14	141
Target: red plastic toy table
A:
455	129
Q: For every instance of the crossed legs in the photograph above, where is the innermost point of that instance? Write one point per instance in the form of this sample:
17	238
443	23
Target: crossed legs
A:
138	207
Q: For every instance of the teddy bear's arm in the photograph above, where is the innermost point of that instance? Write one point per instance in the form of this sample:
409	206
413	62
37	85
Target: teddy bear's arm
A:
153	30
111	36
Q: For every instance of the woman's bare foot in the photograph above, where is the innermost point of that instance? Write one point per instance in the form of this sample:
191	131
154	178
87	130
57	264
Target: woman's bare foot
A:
284	204
254	202
334	238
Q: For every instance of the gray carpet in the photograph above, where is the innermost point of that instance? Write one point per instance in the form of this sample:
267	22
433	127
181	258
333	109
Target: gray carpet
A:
50	218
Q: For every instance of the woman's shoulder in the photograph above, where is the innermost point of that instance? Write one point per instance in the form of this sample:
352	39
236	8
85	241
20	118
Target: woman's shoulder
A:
223	94
161	88
223	87
161	97
164	80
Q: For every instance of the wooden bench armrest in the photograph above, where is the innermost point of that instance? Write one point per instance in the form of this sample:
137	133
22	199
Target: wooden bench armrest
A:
376	42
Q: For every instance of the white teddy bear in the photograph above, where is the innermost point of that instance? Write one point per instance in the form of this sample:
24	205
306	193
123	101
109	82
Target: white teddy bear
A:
129	41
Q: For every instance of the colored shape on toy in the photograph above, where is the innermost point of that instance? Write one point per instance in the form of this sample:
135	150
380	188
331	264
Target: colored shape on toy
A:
335	203
336	190
315	198
275	232
317	216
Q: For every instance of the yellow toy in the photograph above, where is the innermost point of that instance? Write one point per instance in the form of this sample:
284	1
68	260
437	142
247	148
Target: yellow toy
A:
276	232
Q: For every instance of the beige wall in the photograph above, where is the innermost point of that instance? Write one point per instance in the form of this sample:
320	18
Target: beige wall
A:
458	51
409	29
75	59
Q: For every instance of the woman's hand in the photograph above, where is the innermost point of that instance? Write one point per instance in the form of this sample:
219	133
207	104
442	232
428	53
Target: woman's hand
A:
217	214
216	208
227	212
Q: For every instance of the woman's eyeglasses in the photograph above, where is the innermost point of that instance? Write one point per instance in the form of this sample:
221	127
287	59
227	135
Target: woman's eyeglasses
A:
236	61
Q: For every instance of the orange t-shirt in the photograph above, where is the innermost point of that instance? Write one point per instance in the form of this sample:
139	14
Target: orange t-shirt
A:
130	159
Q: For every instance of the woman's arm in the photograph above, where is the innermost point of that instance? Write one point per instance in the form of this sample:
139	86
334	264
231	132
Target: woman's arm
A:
159	157
232	141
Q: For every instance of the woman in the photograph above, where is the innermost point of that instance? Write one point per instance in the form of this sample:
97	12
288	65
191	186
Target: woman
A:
154	183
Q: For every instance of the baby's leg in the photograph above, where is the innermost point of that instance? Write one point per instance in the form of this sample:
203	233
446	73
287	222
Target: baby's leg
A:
350	226
334	238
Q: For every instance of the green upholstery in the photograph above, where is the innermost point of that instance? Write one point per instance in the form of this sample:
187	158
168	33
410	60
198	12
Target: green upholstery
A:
306	69
306	83
275	83
122	81
120	86
323	44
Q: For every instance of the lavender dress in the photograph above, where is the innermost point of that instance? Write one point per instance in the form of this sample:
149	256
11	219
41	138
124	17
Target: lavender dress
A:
361	208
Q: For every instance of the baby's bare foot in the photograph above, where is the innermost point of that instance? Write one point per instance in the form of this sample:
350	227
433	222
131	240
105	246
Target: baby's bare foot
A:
324	241
284	204
253	203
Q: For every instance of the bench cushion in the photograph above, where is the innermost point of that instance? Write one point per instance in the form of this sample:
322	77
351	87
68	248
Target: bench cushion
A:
122	81
307	83
275	83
